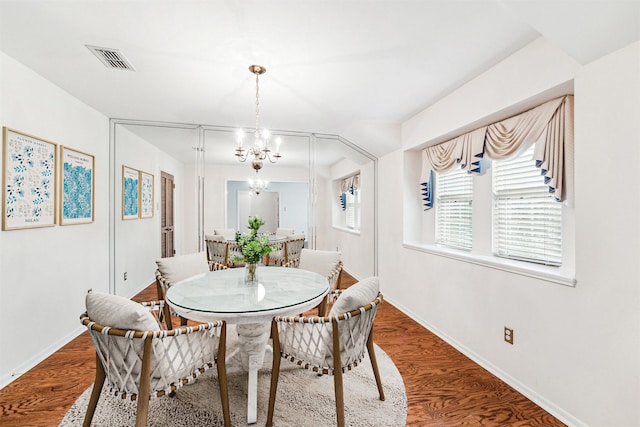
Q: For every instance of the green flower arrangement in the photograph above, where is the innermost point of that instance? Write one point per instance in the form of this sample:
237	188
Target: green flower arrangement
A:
253	246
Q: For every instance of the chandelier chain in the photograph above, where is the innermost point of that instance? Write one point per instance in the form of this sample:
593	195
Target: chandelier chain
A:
257	102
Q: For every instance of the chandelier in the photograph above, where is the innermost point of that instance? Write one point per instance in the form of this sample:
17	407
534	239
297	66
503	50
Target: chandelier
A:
259	151
257	186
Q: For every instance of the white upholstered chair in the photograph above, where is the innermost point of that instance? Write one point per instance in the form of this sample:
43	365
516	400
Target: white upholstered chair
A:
139	360
330	345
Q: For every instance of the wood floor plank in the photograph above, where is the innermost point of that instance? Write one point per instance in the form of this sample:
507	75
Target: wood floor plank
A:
444	387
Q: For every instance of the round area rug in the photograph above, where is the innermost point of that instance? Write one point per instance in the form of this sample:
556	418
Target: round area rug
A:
303	399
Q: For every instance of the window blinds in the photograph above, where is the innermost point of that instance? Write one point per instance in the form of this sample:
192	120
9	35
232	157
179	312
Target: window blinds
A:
454	193
527	221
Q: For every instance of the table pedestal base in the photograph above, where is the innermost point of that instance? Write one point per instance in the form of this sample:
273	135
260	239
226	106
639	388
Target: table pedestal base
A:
253	340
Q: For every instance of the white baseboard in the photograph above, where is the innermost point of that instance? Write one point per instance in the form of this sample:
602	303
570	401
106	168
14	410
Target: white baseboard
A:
37	358
539	400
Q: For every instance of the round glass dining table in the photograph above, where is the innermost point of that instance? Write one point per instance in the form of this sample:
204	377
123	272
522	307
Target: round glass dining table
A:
224	295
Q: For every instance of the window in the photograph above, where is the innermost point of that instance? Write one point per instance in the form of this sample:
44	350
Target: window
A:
454	194
527	221
352	212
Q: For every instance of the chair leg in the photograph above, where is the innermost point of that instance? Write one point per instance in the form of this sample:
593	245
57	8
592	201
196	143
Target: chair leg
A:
95	393
337	376
322	307
222	376
275	372
374	364
338	389
142	406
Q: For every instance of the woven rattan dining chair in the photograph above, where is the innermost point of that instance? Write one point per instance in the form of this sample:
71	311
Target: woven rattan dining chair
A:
293	247
139	360
287	249
217	249
234	252
172	270
329	345
325	263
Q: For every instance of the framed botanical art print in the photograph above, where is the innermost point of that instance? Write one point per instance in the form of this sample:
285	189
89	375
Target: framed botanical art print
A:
77	185
28	181
146	195
130	192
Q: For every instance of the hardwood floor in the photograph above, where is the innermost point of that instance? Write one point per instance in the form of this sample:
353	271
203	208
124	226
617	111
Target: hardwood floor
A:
444	388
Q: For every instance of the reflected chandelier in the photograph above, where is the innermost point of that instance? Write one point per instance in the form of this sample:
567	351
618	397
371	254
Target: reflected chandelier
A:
260	150
257	186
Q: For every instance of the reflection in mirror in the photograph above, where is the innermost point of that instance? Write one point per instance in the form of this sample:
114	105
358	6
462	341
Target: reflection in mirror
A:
163	151
210	184
335	162
281	205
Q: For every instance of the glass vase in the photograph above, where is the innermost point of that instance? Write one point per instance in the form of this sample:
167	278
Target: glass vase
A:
251	269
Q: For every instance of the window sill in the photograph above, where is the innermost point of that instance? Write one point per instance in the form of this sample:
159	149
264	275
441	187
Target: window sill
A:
542	272
346	230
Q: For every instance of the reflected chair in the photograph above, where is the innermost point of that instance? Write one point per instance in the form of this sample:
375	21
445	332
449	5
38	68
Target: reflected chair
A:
288	250
217	249
139	360
233	253
227	233
292	247
326	263
284	231
173	269
330	345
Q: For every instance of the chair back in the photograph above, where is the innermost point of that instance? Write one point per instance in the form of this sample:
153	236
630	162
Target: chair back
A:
182	267
217	249
234	252
326	263
293	247
131	342
227	233
284	231
313	342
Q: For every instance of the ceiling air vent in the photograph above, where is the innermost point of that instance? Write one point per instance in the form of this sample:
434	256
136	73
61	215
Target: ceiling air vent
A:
111	58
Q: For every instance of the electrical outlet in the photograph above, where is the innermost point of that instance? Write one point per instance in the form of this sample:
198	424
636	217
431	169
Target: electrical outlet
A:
508	335
125	275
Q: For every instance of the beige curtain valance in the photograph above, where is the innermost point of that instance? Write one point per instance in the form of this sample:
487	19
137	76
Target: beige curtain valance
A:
346	184
465	149
356	182
548	126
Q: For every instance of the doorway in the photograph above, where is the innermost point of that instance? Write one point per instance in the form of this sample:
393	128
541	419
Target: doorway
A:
264	205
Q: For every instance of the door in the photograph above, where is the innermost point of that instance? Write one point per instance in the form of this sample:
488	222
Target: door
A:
166	222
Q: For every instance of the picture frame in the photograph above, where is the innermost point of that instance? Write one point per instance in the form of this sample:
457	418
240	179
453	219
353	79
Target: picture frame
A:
77	187
28	181
130	193
146	195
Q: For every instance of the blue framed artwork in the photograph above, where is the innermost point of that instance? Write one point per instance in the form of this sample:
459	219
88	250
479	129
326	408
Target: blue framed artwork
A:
28	181
77	183
146	195
130	192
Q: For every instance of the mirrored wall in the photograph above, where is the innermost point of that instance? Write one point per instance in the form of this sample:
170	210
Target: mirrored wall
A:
199	185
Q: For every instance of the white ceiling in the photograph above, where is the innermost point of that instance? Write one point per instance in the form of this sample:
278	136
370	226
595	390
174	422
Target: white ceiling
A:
356	68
